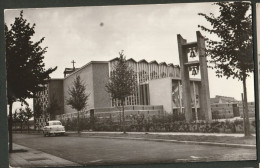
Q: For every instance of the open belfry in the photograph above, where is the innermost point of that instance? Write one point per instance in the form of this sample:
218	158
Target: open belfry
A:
187	50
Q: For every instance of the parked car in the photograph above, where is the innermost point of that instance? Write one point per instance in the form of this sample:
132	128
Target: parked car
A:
53	127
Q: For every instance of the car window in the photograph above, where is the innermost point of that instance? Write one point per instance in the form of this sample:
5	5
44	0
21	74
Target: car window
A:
56	123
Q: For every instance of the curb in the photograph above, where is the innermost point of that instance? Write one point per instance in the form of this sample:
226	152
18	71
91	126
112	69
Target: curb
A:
174	141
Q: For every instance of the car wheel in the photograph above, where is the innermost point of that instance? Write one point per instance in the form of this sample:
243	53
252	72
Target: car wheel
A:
44	134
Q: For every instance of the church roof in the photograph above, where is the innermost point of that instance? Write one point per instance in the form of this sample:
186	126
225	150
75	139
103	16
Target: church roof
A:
171	65
163	63
115	59
142	60
153	62
131	59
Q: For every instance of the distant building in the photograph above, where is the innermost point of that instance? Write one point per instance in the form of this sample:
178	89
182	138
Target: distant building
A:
223	107
251	109
222	99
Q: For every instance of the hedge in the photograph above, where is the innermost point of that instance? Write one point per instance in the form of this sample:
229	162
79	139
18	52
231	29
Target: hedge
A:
157	124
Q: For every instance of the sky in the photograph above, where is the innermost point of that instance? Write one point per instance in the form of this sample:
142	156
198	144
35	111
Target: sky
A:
99	33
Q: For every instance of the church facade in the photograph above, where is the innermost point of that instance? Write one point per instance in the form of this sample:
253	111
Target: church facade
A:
159	90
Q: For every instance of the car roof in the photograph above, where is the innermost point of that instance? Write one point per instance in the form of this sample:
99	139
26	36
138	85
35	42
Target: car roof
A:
54	121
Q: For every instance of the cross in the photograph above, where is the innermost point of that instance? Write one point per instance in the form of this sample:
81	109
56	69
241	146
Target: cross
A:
73	62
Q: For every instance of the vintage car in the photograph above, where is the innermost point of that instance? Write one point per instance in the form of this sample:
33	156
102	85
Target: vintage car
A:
53	127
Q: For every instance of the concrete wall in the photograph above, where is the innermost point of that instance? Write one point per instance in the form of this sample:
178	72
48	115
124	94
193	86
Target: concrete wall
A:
86	75
95	76
251	109
100	78
56	92
114	112
161	93
222	111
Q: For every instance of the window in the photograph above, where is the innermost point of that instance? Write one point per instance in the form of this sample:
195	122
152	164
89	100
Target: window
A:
56	123
163	74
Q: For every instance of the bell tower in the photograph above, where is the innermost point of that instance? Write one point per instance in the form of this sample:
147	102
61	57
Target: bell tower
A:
196	66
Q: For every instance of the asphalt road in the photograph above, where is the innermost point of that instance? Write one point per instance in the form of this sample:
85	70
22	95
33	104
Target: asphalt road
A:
93	151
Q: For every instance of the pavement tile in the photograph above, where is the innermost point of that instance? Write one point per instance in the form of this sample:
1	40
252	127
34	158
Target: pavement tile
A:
50	163
36	163
35	158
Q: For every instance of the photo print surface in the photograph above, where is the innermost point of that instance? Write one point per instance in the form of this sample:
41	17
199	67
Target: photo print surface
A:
130	84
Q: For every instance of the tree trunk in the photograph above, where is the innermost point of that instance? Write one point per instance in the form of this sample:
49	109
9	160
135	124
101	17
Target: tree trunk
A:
10	124
21	127
28	125
247	124
78	123
123	113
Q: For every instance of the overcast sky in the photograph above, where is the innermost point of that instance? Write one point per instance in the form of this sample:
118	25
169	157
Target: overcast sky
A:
148	32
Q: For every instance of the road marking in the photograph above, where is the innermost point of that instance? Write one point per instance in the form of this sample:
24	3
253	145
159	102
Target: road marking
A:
94	161
197	157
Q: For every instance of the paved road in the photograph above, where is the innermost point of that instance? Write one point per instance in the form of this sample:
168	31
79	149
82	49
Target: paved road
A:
89	151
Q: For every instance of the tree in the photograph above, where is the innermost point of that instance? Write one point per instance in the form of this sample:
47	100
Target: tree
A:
28	115
15	118
21	118
232	54
78	97
26	72
122	83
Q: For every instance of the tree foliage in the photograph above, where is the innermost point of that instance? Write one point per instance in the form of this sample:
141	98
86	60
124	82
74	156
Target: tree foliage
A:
122	81
26	72
23	115
78	96
232	52
28	113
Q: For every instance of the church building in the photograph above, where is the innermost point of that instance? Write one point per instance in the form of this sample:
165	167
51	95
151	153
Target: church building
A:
159	90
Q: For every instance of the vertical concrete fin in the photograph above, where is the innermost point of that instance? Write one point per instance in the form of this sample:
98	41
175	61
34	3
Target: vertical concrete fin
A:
204	89
185	78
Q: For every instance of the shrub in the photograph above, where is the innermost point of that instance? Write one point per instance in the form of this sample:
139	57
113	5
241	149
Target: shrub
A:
165	123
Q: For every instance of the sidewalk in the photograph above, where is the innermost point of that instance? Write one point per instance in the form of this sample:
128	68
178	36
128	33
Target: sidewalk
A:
141	136
27	157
